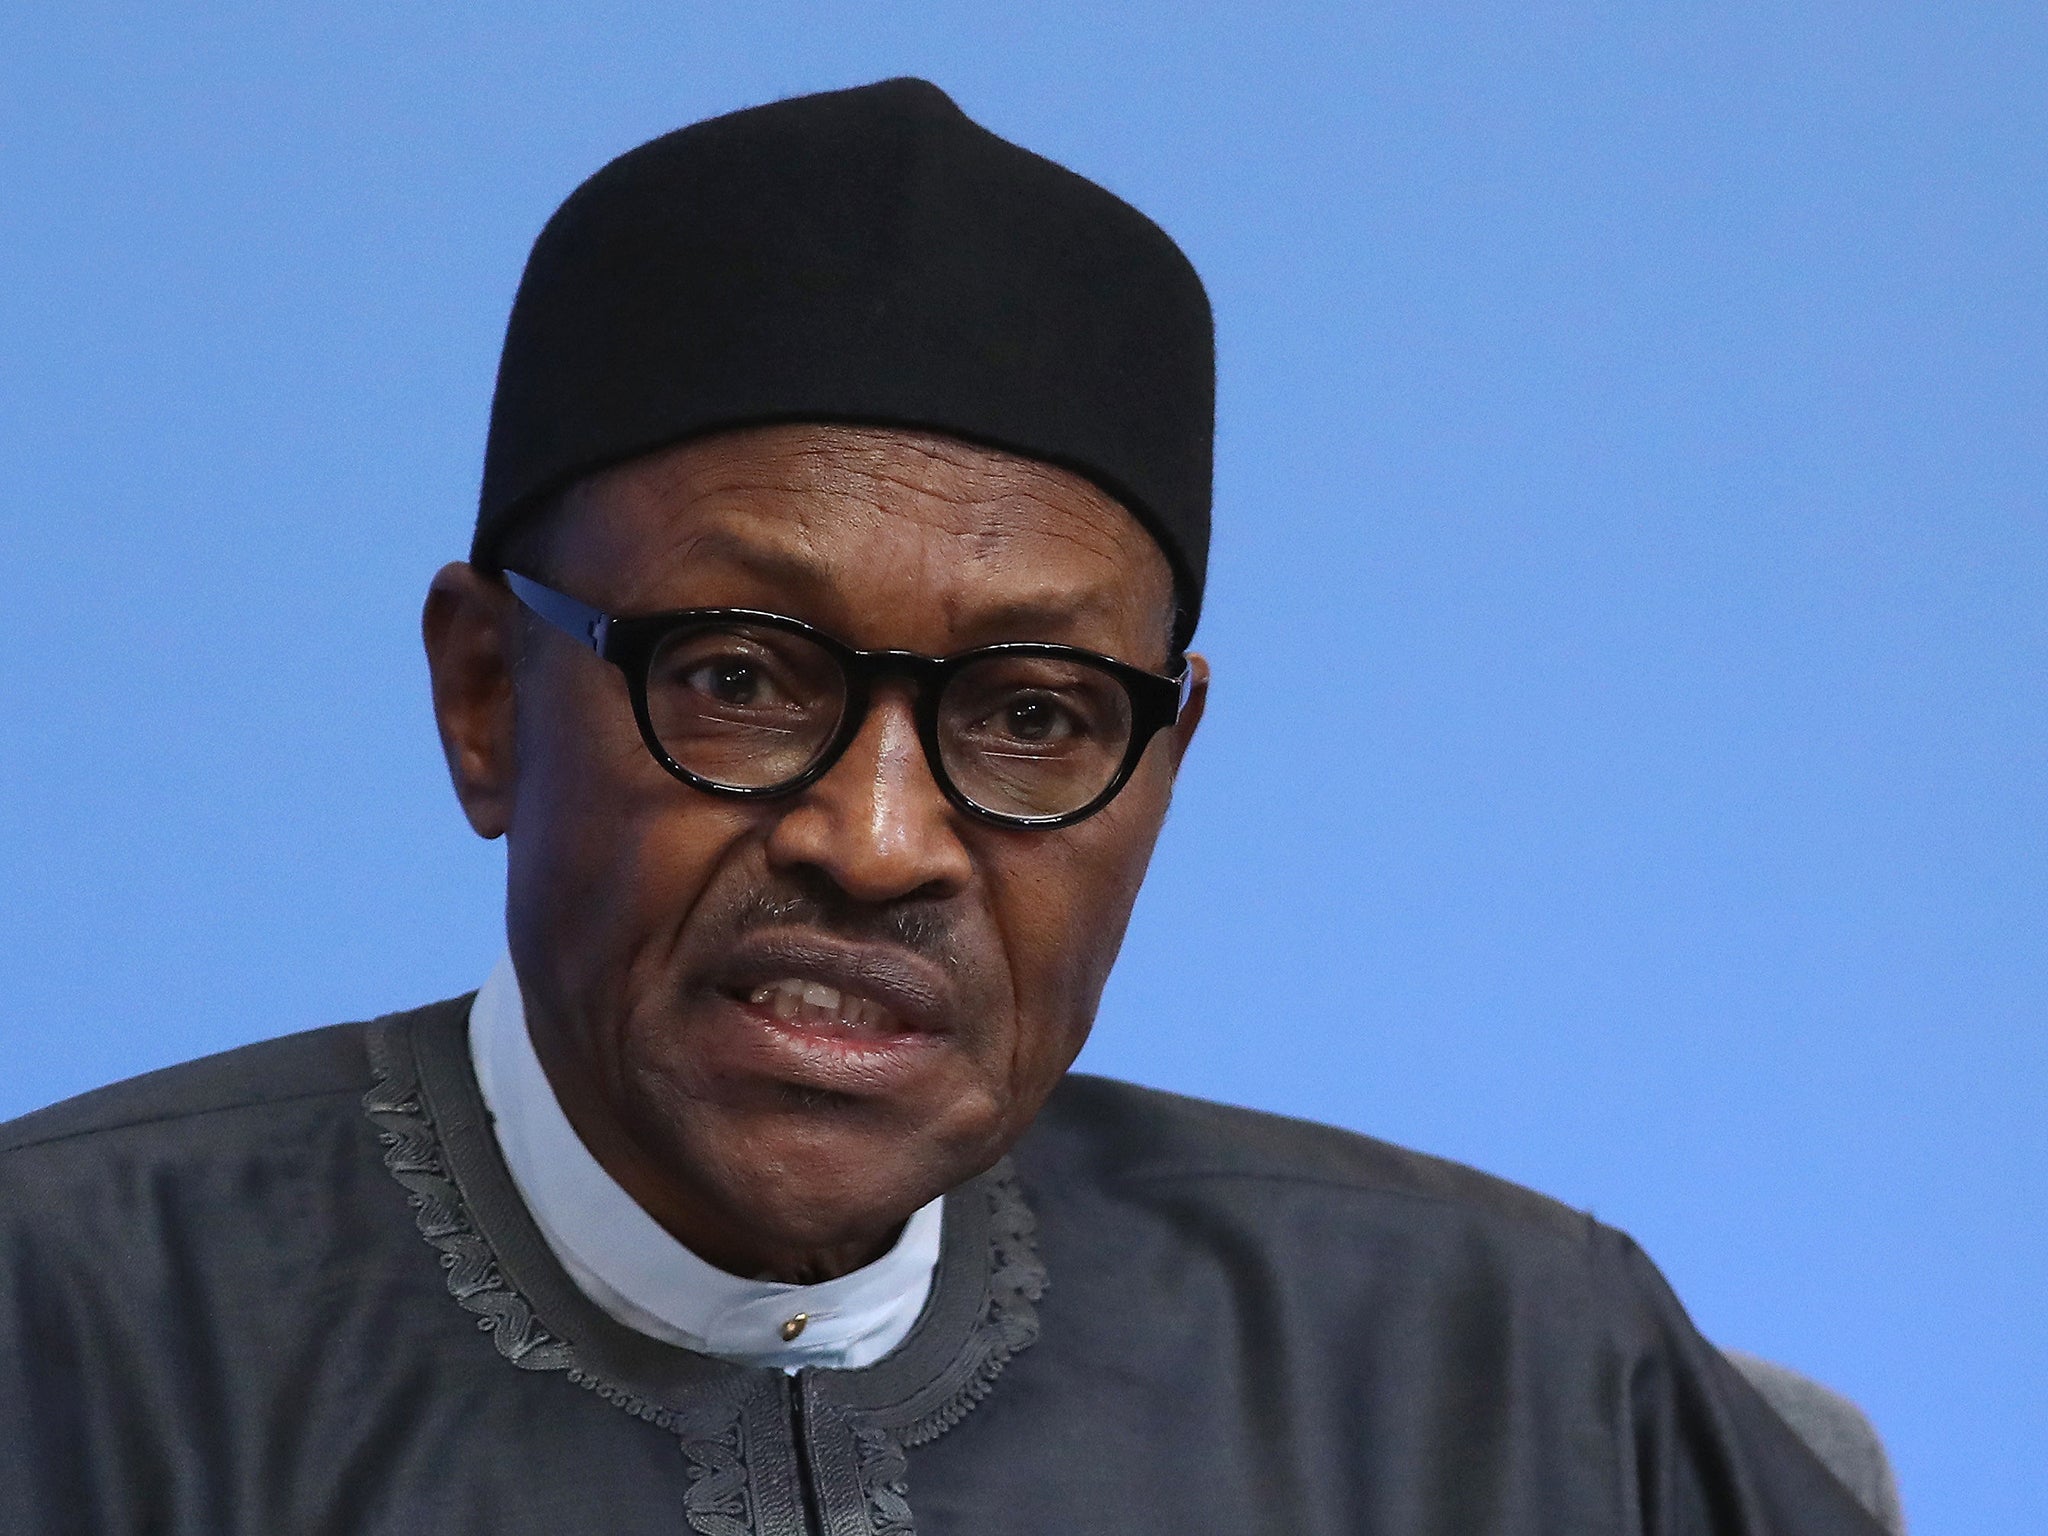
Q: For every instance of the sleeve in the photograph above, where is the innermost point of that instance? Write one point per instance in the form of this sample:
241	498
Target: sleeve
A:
1706	1454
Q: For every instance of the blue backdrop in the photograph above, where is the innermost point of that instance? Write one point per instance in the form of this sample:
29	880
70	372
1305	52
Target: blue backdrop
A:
1626	764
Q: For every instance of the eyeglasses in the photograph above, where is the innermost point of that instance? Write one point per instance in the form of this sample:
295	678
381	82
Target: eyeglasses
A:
748	704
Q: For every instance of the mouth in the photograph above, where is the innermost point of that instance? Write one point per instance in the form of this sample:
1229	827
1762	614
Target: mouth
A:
820	1008
815	1012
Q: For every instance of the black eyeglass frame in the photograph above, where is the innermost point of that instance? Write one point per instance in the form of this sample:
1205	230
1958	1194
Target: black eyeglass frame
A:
629	642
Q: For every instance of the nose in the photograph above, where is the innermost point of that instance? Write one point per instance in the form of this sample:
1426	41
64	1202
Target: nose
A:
877	825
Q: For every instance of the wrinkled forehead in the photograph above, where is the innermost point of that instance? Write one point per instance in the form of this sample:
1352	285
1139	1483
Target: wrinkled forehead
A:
881	534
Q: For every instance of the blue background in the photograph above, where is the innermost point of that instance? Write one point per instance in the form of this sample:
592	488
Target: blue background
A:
1626	765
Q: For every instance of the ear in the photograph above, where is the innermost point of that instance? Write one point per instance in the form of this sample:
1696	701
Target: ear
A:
470	631
1191	712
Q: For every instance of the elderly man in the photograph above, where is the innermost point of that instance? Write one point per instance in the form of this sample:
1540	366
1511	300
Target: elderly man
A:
821	658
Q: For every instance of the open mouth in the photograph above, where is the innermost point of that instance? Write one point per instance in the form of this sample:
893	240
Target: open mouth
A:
819	1008
853	1018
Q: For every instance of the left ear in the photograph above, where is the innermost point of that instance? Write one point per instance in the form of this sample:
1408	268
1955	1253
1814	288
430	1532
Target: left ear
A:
1191	713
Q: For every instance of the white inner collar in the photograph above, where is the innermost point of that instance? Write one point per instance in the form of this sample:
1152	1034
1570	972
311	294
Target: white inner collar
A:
627	1263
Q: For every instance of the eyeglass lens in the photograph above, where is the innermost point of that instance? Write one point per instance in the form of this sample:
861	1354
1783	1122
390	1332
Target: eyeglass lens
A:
752	707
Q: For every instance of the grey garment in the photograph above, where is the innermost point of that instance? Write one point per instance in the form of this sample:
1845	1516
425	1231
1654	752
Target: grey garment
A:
293	1288
1838	1432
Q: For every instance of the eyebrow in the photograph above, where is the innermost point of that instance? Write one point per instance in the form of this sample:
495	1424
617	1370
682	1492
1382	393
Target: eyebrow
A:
774	566
1051	610
1025	615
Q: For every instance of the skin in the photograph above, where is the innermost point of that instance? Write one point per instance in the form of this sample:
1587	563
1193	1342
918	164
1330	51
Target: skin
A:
641	911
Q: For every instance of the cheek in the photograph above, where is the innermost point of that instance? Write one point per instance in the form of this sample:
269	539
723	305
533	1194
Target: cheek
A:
1064	911
607	852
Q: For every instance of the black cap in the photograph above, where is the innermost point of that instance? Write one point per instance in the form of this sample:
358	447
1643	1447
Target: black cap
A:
868	256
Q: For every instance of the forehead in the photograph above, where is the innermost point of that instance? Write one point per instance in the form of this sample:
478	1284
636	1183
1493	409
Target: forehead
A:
890	537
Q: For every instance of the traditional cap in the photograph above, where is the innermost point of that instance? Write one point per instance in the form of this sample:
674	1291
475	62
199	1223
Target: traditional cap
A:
869	256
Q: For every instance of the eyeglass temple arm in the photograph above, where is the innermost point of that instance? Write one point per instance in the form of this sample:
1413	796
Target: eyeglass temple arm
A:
579	621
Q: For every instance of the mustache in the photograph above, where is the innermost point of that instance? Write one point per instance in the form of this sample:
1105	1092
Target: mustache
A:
922	927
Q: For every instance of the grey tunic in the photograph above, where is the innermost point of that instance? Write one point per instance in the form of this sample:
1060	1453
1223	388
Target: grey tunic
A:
292	1288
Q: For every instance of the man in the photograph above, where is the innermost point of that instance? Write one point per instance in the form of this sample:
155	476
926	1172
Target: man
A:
822	658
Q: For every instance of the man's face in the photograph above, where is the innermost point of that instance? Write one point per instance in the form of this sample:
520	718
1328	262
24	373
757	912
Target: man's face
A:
949	969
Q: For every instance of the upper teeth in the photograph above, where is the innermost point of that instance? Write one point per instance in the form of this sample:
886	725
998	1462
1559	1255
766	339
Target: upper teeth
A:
813	1002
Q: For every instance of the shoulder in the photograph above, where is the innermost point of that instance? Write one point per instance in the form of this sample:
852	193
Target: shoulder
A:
1120	1134
292	1069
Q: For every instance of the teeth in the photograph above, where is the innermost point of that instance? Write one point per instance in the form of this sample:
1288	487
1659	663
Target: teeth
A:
795	1000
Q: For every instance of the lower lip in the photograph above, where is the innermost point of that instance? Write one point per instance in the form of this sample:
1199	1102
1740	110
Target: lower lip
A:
836	1061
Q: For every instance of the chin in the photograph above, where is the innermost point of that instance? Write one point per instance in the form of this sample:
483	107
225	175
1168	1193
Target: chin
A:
803	1169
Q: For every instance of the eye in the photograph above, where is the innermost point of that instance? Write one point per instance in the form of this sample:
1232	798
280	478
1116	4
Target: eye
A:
1037	719
733	673
729	680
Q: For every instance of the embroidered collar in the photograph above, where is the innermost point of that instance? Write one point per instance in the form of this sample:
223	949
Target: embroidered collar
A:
439	1147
